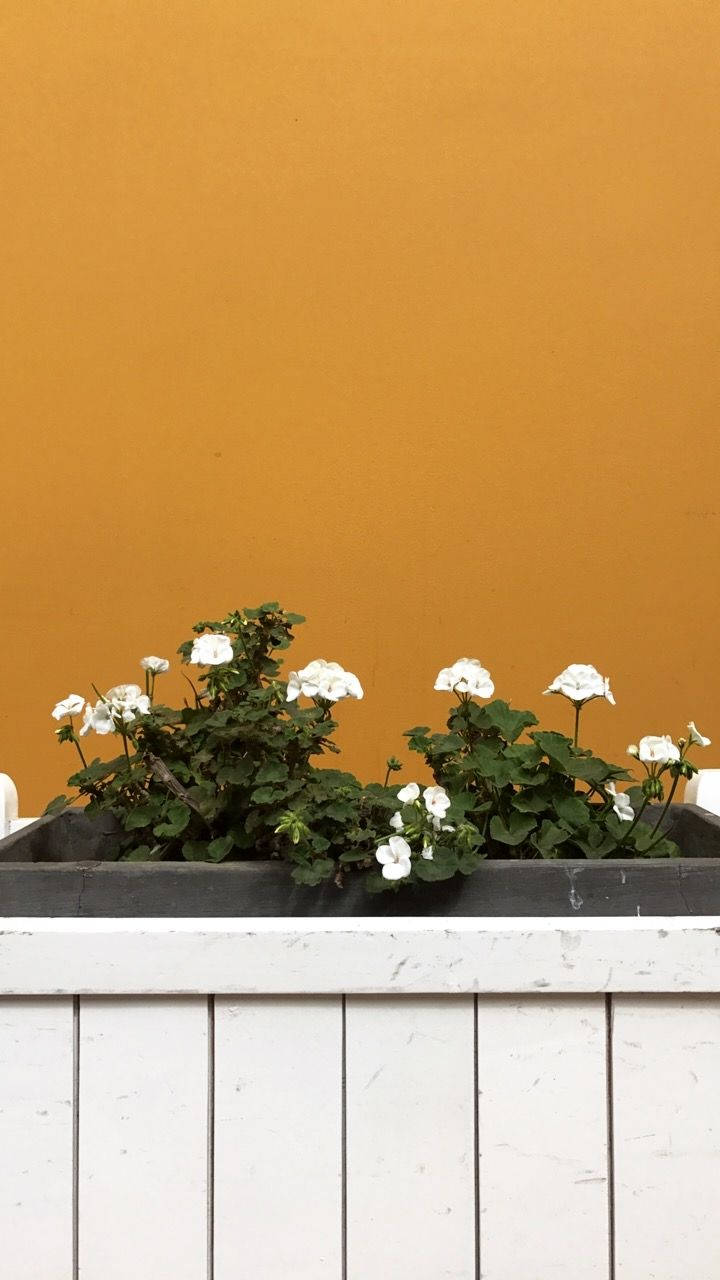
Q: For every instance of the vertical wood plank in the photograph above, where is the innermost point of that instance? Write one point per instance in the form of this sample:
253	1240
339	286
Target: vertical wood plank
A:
666	1070
278	1151
410	1138
542	1075
143	1138
36	1138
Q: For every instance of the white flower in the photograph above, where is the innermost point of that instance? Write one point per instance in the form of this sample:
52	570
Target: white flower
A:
696	738
70	706
437	801
127	701
658	750
633	750
120	706
467	675
427	852
439	825
321	679
394	858
155	665
621	803
396	821
211	649
581	683
99	718
408	793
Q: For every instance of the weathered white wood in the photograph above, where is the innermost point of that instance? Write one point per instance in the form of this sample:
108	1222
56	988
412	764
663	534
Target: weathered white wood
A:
143	1139
410	1138
666	1070
278	1138
357	956
8	804
36	1139
543	1138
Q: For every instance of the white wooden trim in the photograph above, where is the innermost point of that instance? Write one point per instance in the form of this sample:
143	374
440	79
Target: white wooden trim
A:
370	956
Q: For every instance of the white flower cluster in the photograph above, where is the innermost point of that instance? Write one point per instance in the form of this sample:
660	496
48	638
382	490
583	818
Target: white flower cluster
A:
327	681
119	707
395	856
580	683
657	749
211	649
466	676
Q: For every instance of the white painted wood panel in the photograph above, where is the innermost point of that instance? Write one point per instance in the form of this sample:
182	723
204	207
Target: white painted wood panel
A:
143	1139
398	956
410	1138
543	1138
36	1139
278	1138
666	1070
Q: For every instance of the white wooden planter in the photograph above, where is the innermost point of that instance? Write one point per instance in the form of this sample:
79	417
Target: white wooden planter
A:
402	1099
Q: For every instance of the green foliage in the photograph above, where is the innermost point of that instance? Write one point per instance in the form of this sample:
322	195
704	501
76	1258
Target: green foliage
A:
237	772
538	796
232	773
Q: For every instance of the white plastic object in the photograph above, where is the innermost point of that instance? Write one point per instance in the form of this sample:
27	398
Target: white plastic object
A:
8	804
703	789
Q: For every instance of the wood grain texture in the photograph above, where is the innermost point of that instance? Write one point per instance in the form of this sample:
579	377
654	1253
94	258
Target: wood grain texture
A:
36	1139
410	1138
666	1052
543	1138
403	956
143	1139
278	1138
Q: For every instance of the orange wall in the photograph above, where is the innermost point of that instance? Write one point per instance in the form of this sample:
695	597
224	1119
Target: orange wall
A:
404	313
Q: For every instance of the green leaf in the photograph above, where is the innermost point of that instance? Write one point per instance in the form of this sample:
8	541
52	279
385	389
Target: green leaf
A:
145	853
320	869
557	748
469	860
550	836
273	771
508	722
441	867
177	817
572	810
135	819
267	795
219	848
515	830
195	851
236	774
57	805
530	801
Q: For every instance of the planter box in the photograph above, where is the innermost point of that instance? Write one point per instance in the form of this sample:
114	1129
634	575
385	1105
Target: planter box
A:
63	867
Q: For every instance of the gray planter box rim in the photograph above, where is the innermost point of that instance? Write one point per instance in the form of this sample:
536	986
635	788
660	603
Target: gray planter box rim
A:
63	866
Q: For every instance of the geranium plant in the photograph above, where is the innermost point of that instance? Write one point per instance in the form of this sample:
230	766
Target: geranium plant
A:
232	774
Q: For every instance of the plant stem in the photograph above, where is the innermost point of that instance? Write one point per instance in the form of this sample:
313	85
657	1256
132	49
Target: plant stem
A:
80	752
578	709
